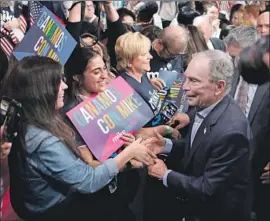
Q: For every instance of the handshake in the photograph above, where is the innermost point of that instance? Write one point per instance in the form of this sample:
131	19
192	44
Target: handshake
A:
144	150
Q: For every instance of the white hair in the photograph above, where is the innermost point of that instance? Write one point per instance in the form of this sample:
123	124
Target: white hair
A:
220	66
242	36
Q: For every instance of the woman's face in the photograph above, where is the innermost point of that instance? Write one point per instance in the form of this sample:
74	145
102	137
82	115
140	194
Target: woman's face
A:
141	63
60	97
89	10
95	77
236	18
91	43
213	13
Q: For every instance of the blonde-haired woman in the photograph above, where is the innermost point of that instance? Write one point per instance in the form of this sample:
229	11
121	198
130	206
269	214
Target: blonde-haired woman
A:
238	17
133	61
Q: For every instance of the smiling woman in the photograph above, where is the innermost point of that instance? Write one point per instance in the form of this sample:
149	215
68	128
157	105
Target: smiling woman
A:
45	160
133	61
86	75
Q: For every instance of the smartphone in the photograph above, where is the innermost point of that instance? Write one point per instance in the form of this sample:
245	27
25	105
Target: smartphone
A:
10	113
168	110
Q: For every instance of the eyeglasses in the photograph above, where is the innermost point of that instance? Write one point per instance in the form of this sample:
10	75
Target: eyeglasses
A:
87	35
171	55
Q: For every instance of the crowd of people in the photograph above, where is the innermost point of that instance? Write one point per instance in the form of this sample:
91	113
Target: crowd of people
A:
210	163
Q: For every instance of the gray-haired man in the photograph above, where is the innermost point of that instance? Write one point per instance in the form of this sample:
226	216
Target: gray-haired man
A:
255	103
213	181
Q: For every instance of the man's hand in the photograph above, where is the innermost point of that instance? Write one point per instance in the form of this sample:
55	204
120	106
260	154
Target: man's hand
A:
157	83
156	143
158	169
182	118
140	152
265	177
175	133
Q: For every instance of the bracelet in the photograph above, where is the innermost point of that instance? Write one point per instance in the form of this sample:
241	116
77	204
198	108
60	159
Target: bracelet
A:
168	132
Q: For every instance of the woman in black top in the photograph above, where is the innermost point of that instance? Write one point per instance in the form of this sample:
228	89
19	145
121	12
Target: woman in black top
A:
87	75
133	61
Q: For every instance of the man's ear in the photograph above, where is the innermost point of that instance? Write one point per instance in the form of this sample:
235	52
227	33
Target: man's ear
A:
157	44
220	87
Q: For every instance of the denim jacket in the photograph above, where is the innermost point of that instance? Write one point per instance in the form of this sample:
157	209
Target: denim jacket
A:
51	173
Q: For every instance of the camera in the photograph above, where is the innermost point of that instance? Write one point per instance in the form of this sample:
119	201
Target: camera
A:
9	117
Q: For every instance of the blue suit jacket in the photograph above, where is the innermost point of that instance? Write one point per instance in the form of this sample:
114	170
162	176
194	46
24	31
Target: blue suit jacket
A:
213	180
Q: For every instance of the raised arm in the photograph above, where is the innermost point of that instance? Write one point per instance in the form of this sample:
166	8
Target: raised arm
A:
111	12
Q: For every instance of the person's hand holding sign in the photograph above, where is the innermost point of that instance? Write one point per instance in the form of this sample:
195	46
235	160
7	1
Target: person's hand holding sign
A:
181	119
157	83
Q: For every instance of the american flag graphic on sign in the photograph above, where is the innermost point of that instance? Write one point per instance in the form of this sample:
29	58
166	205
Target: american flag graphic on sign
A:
9	39
6	42
35	9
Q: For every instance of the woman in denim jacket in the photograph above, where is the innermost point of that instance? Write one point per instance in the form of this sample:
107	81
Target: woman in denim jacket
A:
48	179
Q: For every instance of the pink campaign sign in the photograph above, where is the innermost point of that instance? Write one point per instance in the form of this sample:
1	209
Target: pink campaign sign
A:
102	119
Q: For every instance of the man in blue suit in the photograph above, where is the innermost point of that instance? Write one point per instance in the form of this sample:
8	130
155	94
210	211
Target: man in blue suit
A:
207	175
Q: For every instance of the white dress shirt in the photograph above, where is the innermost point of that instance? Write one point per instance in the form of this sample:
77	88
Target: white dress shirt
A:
199	118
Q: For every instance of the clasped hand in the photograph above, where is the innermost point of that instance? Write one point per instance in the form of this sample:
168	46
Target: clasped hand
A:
145	150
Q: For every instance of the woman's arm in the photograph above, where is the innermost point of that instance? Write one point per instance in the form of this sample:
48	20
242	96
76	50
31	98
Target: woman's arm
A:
115	29
87	156
163	130
75	13
56	160
74	25
111	12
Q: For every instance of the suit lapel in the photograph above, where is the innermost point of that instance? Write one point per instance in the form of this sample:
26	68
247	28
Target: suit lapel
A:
205	128
259	94
200	136
187	149
235	82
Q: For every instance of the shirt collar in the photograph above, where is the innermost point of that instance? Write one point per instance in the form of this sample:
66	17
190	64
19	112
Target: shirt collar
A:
204	112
